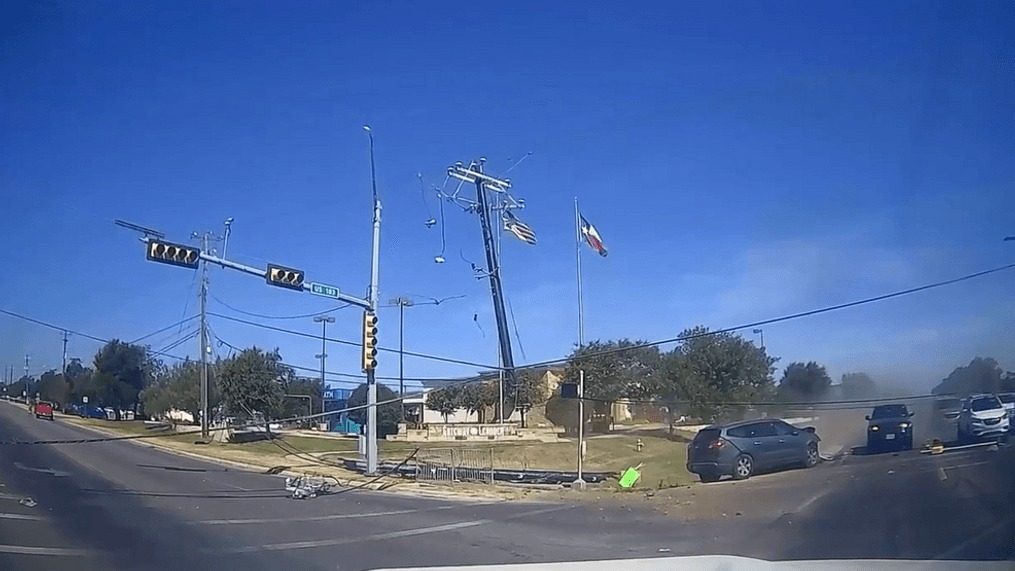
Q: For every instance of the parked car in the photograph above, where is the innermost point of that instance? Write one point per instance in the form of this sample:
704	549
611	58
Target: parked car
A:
889	428
43	410
1008	401
741	449
982	416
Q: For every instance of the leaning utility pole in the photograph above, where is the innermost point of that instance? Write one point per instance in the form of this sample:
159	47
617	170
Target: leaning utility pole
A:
474	174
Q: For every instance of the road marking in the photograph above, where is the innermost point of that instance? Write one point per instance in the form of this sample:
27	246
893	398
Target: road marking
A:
297	519
967	465
49	471
810	501
55	551
322	517
941	474
25	517
959	548
384	536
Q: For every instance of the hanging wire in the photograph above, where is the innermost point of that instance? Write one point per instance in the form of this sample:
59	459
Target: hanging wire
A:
263	316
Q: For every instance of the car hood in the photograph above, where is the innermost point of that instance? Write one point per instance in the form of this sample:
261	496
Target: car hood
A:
991	414
727	562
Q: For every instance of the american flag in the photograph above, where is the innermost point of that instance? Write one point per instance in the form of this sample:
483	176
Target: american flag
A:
592	237
519	228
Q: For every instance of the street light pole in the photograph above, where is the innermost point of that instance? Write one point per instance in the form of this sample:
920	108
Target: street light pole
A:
324	320
402	303
372	295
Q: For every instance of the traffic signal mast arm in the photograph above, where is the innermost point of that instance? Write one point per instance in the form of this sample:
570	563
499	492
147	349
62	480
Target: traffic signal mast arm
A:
263	274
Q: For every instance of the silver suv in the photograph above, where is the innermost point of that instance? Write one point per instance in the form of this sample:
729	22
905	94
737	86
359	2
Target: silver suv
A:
982	416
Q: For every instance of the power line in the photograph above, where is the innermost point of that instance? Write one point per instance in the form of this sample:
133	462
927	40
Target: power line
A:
78	333
790	317
51	326
351	343
166	328
361	377
263	316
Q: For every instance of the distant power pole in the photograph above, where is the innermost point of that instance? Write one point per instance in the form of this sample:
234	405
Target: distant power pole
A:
26	364
63	371
204	339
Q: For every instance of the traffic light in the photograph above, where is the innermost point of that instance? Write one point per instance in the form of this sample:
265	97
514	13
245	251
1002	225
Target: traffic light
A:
282	276
173	254
369	341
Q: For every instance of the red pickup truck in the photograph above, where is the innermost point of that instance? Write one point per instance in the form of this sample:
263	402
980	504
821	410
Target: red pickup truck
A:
44	410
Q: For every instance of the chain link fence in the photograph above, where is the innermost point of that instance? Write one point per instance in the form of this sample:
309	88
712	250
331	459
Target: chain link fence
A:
450	465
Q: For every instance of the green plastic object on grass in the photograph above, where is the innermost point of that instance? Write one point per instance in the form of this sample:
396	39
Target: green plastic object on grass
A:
629	477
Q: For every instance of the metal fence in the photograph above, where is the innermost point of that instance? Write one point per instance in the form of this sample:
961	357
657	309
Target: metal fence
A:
449	465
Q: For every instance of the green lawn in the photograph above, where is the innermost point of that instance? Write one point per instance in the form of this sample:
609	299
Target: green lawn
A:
663	457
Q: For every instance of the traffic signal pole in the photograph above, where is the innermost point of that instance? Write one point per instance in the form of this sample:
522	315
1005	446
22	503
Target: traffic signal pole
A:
372	297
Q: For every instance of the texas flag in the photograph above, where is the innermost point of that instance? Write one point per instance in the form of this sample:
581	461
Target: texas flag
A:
592	237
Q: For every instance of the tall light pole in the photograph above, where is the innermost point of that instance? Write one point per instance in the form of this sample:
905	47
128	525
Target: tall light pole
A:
762	333
324	320
402	303
372	295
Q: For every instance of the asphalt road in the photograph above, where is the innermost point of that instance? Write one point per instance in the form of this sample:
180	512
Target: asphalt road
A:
123	505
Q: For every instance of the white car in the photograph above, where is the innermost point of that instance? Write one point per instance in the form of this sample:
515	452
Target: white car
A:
1008	401
982	416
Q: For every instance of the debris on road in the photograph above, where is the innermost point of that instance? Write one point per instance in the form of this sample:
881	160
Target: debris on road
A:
28	502
302	487
630	476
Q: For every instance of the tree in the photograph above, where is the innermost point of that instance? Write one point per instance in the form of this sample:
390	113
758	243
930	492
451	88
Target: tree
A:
179	387
254	381
564	412
477	397
388	415
122	371
981	375
300	387
79	378
54	387
613	369
858	386
444	400
23	386
804	381
708	371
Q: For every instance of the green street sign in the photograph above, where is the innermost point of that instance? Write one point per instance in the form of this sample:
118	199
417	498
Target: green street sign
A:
324	290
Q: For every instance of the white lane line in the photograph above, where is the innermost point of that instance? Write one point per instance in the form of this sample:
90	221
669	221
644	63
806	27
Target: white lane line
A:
967	465
322	517
297	519
810	501
960	547
384	536
25	517
54	551
941	474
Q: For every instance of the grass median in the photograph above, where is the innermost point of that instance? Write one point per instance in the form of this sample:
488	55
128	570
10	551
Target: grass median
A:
662	456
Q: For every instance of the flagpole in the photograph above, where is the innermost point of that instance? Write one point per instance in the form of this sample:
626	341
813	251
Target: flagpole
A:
580	482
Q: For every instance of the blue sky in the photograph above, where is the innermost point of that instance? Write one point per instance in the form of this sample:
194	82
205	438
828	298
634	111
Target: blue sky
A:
741	161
